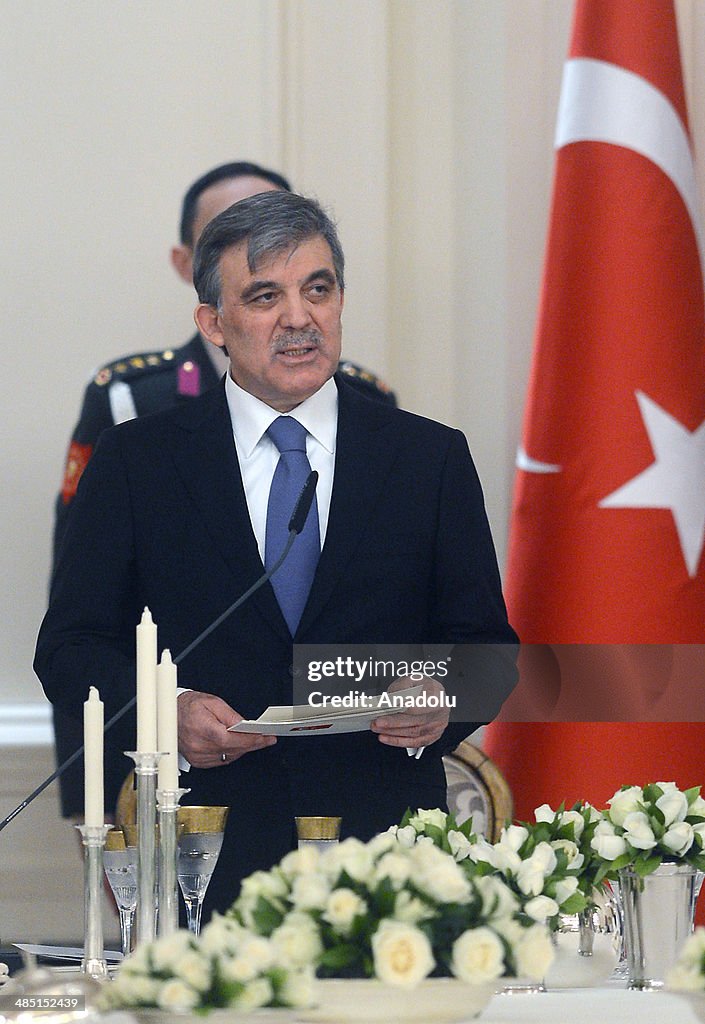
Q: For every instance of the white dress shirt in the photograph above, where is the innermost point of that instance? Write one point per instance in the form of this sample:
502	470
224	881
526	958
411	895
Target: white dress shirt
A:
258	455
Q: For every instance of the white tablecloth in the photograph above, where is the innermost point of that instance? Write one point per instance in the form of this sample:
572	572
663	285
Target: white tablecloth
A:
590	1006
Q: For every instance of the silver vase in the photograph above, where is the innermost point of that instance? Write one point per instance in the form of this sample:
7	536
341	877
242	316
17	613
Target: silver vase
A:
658	917
587	945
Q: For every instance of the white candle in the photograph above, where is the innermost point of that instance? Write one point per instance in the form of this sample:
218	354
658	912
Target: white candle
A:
146	684
167	723
93	758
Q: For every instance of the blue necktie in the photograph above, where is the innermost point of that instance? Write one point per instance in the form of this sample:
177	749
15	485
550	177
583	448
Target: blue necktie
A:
292	582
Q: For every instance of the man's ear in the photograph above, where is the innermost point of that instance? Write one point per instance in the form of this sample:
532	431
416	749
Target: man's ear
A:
208	323
182	262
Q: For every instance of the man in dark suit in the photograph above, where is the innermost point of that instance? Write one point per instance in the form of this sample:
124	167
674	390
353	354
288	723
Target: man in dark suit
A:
148	382
174	513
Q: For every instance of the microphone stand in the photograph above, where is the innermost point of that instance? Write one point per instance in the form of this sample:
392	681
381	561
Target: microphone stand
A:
296	525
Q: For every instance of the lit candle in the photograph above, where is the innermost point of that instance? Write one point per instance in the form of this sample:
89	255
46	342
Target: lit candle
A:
167	723
146	684
93	758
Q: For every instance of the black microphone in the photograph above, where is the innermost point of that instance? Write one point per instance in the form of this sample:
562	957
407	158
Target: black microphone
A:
296	525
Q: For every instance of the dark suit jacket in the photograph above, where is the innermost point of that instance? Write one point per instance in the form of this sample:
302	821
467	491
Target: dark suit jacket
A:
160	519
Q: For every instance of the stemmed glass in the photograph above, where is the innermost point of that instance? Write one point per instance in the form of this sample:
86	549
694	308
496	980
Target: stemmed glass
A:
120	865
200	838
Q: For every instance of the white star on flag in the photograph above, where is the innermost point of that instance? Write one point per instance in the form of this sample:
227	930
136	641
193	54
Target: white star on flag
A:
675	480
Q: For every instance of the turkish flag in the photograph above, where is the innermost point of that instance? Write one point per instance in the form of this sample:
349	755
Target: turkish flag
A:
609	505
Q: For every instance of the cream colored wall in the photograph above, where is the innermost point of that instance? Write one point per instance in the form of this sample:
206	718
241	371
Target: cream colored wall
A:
425	124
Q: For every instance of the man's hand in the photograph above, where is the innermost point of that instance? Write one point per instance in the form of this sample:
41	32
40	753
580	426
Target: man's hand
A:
417	727
203	731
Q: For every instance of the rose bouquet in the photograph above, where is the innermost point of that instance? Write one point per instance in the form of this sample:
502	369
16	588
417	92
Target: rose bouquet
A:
548	864
392	912
645	827
226	966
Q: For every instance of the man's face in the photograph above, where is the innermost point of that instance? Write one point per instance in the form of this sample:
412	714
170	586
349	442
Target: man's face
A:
281	325
211	202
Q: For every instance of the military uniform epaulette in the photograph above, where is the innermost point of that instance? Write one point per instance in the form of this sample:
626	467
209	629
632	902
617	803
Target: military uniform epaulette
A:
359	373
134	366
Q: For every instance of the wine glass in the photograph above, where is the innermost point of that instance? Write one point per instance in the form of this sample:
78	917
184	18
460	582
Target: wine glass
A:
200	838
120	865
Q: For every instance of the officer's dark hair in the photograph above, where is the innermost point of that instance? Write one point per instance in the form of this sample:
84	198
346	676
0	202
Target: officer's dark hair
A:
271	223
239	169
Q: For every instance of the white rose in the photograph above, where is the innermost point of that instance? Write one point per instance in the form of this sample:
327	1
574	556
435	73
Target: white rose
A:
135	990
268	884
165	953
685	978
255	955
310	892
693	949
576	819
342	908
221	934
534	952
593	813
401	953
678	838
432	817
638	831
673	805
533	872
498	900
300	862
477	956
696	807
297	989
570	849
609	847
195	970
383	842
565	888
255	994
437	874
624	802
394	866
541	907
482	851
177	995
296	941
406	836
460	845
544	813
513	837
351	856
699	833
505	860
411	909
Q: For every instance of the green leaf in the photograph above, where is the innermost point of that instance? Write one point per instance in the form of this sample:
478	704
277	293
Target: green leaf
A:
266	917
692	794
574	904
645	866
408	815
338	957
652	793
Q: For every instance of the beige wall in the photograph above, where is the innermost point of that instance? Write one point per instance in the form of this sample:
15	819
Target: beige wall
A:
425	124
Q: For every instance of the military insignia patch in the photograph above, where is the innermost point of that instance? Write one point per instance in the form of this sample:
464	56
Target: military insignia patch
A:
76	461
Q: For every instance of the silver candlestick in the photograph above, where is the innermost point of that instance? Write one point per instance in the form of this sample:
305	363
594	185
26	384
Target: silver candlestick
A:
146	765
93	839
167	804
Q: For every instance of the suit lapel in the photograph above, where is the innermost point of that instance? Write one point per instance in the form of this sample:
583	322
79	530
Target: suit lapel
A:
364	455
206	461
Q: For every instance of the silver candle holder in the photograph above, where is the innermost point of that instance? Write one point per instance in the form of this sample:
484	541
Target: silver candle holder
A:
93	839
146	765
167	805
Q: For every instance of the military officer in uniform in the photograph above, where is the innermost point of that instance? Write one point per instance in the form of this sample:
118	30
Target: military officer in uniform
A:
149	382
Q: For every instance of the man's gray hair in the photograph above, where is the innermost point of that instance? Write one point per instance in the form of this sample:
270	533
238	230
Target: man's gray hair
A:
271	223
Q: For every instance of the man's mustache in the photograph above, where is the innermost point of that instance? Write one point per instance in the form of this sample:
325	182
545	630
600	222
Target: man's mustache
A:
297	339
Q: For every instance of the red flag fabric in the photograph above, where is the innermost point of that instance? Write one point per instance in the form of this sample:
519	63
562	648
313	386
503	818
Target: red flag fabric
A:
609	506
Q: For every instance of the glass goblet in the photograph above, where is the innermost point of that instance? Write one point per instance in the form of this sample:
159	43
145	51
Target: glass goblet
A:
120	865
200	838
